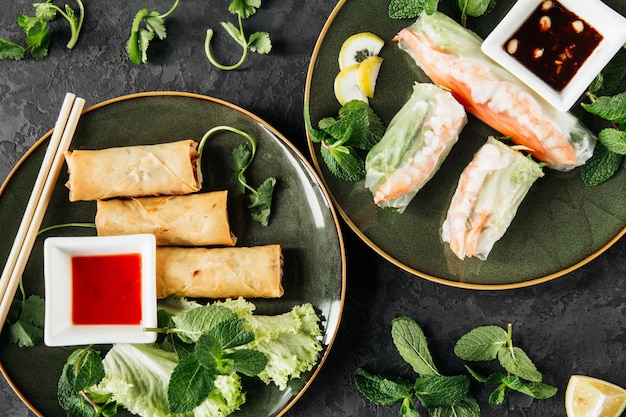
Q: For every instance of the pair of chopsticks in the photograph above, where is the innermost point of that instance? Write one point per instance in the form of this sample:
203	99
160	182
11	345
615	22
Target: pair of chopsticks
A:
37	204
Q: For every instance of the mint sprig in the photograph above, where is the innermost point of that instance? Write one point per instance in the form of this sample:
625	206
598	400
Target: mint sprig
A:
342	140
487	343
441	395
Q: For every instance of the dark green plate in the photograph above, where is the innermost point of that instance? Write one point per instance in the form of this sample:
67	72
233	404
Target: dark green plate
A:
303	222
560	226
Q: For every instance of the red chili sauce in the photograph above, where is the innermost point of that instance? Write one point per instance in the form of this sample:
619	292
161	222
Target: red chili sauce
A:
553	43
106	289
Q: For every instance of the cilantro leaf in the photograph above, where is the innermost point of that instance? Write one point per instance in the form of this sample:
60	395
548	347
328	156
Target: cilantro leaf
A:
260	205
140	37
411	343
410	9
27	321
10	50
602	165
380	389
258	42
481	343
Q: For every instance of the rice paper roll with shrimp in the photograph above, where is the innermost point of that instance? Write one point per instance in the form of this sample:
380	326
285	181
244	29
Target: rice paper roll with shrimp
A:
450	55
134	171
199	219
415	144
487	196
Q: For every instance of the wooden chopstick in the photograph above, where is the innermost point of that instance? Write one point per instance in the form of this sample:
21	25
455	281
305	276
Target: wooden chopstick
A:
38	202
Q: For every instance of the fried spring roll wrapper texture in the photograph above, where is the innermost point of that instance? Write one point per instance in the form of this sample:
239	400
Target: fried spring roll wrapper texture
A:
250	272
134	171
186	220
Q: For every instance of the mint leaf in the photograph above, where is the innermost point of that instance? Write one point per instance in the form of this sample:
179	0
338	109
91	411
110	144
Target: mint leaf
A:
498	395
411	343
466	408
190	384
367	128
609	108
231	333
193	323
481	343
475	8
380	389
208	351
343	162
410	9
441	391
247	361
602	165
408	409
614	140
613	74
518	363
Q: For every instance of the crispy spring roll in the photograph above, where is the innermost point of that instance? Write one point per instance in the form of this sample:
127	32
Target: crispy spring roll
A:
418	139
450	55
487	197
134	171
199	219
250	272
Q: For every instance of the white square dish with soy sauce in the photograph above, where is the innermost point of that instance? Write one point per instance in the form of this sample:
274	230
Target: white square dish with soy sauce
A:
557	47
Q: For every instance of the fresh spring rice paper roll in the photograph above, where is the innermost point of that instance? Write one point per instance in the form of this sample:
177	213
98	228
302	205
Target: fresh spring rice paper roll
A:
249	272
486	199
415	144
450	55
134	171
199	219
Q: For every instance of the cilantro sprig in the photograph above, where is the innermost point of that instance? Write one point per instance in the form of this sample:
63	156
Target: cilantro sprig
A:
260	199
141	36
357	128
487	343
38	36
258	42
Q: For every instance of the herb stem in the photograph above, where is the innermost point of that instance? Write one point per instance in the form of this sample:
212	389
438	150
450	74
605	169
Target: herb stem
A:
164	15
241	41
58	226
75	25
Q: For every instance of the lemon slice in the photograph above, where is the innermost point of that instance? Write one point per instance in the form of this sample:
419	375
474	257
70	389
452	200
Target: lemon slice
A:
358	47
368	74
591	397
347	85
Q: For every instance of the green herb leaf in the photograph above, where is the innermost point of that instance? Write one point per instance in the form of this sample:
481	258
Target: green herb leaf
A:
498	395
27	321
247	361
261	202
343	162
244	8
435	391
601	166
260	43
239	158
411	343
140	38
466	408
612	75
231	333
380	389
614	140
481	343
408	409
475	8
208	351
190	384
367	128
192	324
410	9
10	50
609	108
518	363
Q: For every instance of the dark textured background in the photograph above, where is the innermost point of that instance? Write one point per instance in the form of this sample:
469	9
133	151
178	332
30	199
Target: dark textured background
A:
571	325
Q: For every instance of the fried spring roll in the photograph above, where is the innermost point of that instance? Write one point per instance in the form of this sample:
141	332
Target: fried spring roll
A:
250	272
134	171
188	220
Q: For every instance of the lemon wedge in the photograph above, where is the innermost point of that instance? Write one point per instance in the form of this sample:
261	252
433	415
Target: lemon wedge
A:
358	47
368	74
347	85
591	397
